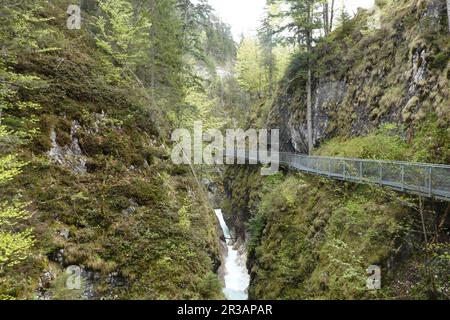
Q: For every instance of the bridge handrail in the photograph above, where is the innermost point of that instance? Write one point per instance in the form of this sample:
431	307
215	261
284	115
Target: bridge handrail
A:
421	164
431	180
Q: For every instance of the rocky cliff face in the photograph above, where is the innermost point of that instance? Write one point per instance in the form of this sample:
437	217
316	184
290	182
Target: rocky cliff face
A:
364	77
313	238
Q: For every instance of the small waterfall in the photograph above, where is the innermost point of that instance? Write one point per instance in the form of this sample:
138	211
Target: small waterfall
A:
237	278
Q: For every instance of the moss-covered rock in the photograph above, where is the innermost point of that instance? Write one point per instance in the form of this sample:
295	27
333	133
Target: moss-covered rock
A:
118	220
367	77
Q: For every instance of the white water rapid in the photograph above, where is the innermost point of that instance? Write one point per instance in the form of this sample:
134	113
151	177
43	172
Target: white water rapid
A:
237	278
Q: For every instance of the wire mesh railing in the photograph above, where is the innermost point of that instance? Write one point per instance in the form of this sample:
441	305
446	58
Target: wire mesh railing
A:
430	180
425	179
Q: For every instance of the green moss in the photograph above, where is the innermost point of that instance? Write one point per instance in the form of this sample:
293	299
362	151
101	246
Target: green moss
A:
128	168
60	291
431	142
384	144
391	99
428	143
410	107
321	244
209	287
440	60
312	238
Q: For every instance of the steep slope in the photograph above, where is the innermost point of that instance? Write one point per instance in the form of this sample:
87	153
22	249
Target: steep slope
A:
368	76
104	194
378	93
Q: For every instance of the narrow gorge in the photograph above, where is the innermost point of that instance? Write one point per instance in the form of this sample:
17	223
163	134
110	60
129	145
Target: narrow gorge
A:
378	93
105	195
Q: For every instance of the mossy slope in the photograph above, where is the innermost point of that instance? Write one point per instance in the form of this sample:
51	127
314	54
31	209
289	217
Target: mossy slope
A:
378	94
138	225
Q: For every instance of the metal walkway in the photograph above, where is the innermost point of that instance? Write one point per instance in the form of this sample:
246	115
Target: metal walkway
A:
428	180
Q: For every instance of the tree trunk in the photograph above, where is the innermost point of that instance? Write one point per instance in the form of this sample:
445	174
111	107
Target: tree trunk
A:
309	112
326	27
271	70
152	54
422	218
309	84
448	14
331	16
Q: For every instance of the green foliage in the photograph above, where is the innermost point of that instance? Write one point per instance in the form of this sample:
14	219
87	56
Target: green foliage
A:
9	168
347	271
17	126
124	37
249	67
21	18
210	287
184	216
59	290
437	267
299	17
15	240
164	71
15	247
440	61
258	71
311	239
122	215
428	144
383	144
219	43
198	105
390	100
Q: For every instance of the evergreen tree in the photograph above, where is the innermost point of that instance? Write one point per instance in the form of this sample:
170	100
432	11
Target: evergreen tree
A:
122	33
302	19
249	67
267	43
164	68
